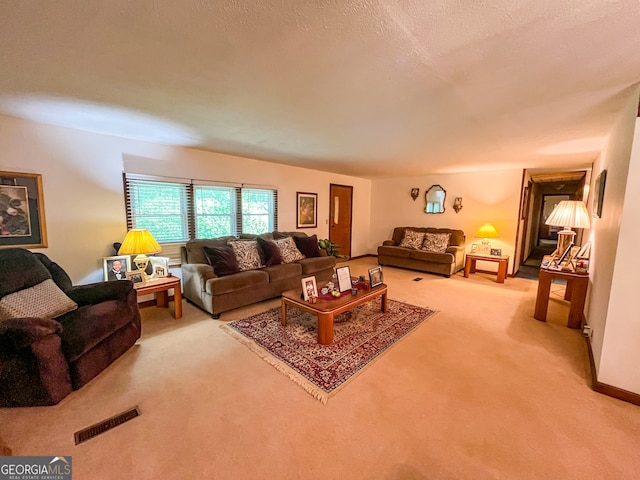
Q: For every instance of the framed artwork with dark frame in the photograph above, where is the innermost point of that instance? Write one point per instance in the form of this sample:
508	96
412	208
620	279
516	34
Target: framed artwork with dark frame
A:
375	276
599	194
306	210
22	221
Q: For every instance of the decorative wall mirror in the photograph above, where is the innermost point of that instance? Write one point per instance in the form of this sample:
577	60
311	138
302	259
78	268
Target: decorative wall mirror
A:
435	199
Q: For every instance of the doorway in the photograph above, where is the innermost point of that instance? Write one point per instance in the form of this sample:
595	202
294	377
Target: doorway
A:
340	216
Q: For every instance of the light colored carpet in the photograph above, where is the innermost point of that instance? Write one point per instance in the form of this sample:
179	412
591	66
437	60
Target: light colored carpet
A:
481	391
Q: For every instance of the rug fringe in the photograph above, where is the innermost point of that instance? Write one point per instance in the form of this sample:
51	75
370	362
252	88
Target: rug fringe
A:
283	368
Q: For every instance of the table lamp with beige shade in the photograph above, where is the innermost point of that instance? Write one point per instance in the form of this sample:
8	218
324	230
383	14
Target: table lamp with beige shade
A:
568	214
139	242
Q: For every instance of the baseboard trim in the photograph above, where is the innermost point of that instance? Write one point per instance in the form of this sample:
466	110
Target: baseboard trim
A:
605	389
152	303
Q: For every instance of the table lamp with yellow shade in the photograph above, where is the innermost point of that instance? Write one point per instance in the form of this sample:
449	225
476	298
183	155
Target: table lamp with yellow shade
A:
485	232
139	242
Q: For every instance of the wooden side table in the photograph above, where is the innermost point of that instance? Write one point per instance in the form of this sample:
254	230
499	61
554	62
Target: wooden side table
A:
576	293
502	261
161	287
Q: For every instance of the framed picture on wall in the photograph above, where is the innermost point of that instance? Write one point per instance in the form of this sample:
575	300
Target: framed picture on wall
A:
307	210
599	194
22	222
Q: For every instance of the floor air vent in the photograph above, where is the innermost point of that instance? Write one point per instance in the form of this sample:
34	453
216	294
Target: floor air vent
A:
101	427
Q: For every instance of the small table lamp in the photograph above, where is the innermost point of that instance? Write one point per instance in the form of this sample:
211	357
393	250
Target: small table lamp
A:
139	242
487	231
568	214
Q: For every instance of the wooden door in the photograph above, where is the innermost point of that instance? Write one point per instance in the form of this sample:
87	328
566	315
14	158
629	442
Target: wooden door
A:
340	208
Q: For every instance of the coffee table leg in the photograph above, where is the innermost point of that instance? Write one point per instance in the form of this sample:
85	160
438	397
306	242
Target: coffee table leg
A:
384	302
283	314
325	328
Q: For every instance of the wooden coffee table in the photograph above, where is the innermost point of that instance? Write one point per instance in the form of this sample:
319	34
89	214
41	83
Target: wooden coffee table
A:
326	310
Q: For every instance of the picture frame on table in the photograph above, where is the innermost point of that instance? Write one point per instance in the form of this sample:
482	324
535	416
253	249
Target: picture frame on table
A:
116	267
375	276
309	288
484	250
344	278
159	266
496	252
474	248
137	277
22	200
306	210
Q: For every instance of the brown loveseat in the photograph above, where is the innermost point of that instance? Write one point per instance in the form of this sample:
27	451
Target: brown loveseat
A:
446	263
217	294
43	357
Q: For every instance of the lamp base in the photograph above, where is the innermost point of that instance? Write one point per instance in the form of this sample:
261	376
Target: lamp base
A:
141	262
565	238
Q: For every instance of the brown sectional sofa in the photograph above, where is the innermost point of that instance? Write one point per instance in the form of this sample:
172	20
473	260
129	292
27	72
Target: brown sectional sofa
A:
218	294
447	263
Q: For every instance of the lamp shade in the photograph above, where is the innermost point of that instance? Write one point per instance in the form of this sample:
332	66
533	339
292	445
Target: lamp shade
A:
139	241
569	213
487	231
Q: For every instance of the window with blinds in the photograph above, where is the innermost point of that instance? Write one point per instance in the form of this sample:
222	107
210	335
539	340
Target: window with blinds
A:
176	210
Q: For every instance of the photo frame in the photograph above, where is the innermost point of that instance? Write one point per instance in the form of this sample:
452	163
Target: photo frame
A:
137	277
484	249
110	273
375	276
496	252
599	194
22	219
474	248
309	288
344	278
159	266
524	206
306	210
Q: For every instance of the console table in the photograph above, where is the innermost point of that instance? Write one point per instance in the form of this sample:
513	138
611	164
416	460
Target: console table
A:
576	293
502	261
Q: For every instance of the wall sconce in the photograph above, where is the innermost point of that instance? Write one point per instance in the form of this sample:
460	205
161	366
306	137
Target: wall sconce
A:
457	204
414	193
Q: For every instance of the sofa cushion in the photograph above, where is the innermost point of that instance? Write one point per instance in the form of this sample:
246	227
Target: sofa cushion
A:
394	251
412	239
84	328
270	251
222	259
195	251
283	271
240	281
316	264
308	246
446	258
436	242
44	300
288	250
247	254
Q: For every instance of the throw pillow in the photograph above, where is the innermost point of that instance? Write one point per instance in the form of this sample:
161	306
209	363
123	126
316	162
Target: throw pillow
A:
43	300
247	254
288	250
308	246
436	242
222	259
412	239
270	252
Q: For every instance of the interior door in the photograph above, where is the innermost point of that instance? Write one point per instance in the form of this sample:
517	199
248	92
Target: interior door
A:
340	209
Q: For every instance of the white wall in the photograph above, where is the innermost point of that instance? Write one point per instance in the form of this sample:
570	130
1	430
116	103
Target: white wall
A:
487	197
612	311
83	189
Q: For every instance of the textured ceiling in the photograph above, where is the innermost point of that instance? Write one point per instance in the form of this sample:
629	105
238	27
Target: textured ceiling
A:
372	88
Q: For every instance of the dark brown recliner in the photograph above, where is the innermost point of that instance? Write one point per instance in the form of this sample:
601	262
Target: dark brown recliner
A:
43	359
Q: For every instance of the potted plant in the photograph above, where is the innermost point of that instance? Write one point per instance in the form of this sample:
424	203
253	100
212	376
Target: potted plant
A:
331	248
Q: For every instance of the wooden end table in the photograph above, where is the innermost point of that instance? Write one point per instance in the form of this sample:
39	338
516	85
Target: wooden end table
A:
161	287
502	261
326	310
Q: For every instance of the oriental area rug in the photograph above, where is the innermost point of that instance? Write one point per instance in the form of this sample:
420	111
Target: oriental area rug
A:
361	335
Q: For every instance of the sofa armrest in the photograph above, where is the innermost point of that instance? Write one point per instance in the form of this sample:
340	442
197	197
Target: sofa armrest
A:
18	333
94	293
455	249
198	272
389	243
